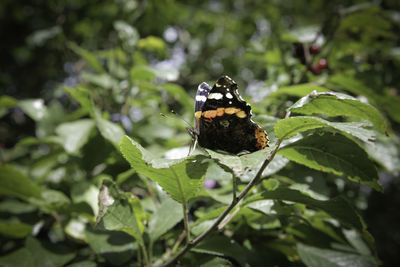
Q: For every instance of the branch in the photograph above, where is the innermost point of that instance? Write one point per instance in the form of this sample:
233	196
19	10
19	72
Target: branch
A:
236	200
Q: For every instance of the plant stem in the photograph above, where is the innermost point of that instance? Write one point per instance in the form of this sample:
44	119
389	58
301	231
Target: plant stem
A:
186	222
234	187
249	186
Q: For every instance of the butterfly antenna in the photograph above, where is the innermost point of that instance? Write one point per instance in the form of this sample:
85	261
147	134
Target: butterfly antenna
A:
190	129
177	116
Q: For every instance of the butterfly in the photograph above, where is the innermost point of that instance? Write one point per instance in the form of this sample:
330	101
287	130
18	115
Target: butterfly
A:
223	119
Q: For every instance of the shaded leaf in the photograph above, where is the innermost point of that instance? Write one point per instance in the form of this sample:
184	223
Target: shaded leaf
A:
45	254
222	246
337	207
90	57
14	183
14	229
117	247
164	218
334	154
120	217
181	178
336	104
20	257
179	94
316	257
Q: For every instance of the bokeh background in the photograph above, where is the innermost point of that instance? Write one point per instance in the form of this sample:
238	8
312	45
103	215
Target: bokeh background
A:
138	58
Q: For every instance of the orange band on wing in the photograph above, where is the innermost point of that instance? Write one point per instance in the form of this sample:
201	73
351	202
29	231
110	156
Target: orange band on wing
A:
231	110
262	138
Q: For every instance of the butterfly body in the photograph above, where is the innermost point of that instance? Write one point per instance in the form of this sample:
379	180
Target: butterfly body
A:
223	119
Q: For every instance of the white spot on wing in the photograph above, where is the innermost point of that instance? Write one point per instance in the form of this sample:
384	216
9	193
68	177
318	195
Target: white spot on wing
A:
216	96
201	98
229	95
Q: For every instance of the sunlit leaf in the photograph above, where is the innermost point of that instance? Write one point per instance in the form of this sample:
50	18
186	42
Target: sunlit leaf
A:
289	127
298	90
109	130
75	134
336	104
181	178
7	101
34	108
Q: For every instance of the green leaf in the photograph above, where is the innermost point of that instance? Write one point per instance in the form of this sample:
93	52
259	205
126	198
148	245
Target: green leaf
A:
48	255
181	178
153	44
20	257
109	130
82	95
222	246
14	229
14	183
337	207
87	193
246	166
121	217
74	134
164	218
141	73
128	35
83	264
8	101
336	104
316	257
179	94
298	90
117	247
353	86
289	127
34	108
103	80
90	57
334	154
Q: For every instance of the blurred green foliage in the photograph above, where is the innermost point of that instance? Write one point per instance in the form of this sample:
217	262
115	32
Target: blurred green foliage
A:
76	76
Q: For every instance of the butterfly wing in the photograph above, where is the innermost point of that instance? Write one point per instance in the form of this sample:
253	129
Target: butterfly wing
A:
224	122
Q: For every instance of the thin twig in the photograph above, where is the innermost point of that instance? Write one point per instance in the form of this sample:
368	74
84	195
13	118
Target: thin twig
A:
249	186
186	222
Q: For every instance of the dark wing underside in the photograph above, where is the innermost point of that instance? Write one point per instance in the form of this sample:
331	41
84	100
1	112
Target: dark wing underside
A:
223	119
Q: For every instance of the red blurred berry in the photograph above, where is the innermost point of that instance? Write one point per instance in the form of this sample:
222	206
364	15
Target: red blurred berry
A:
315	70
322	63
314	49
